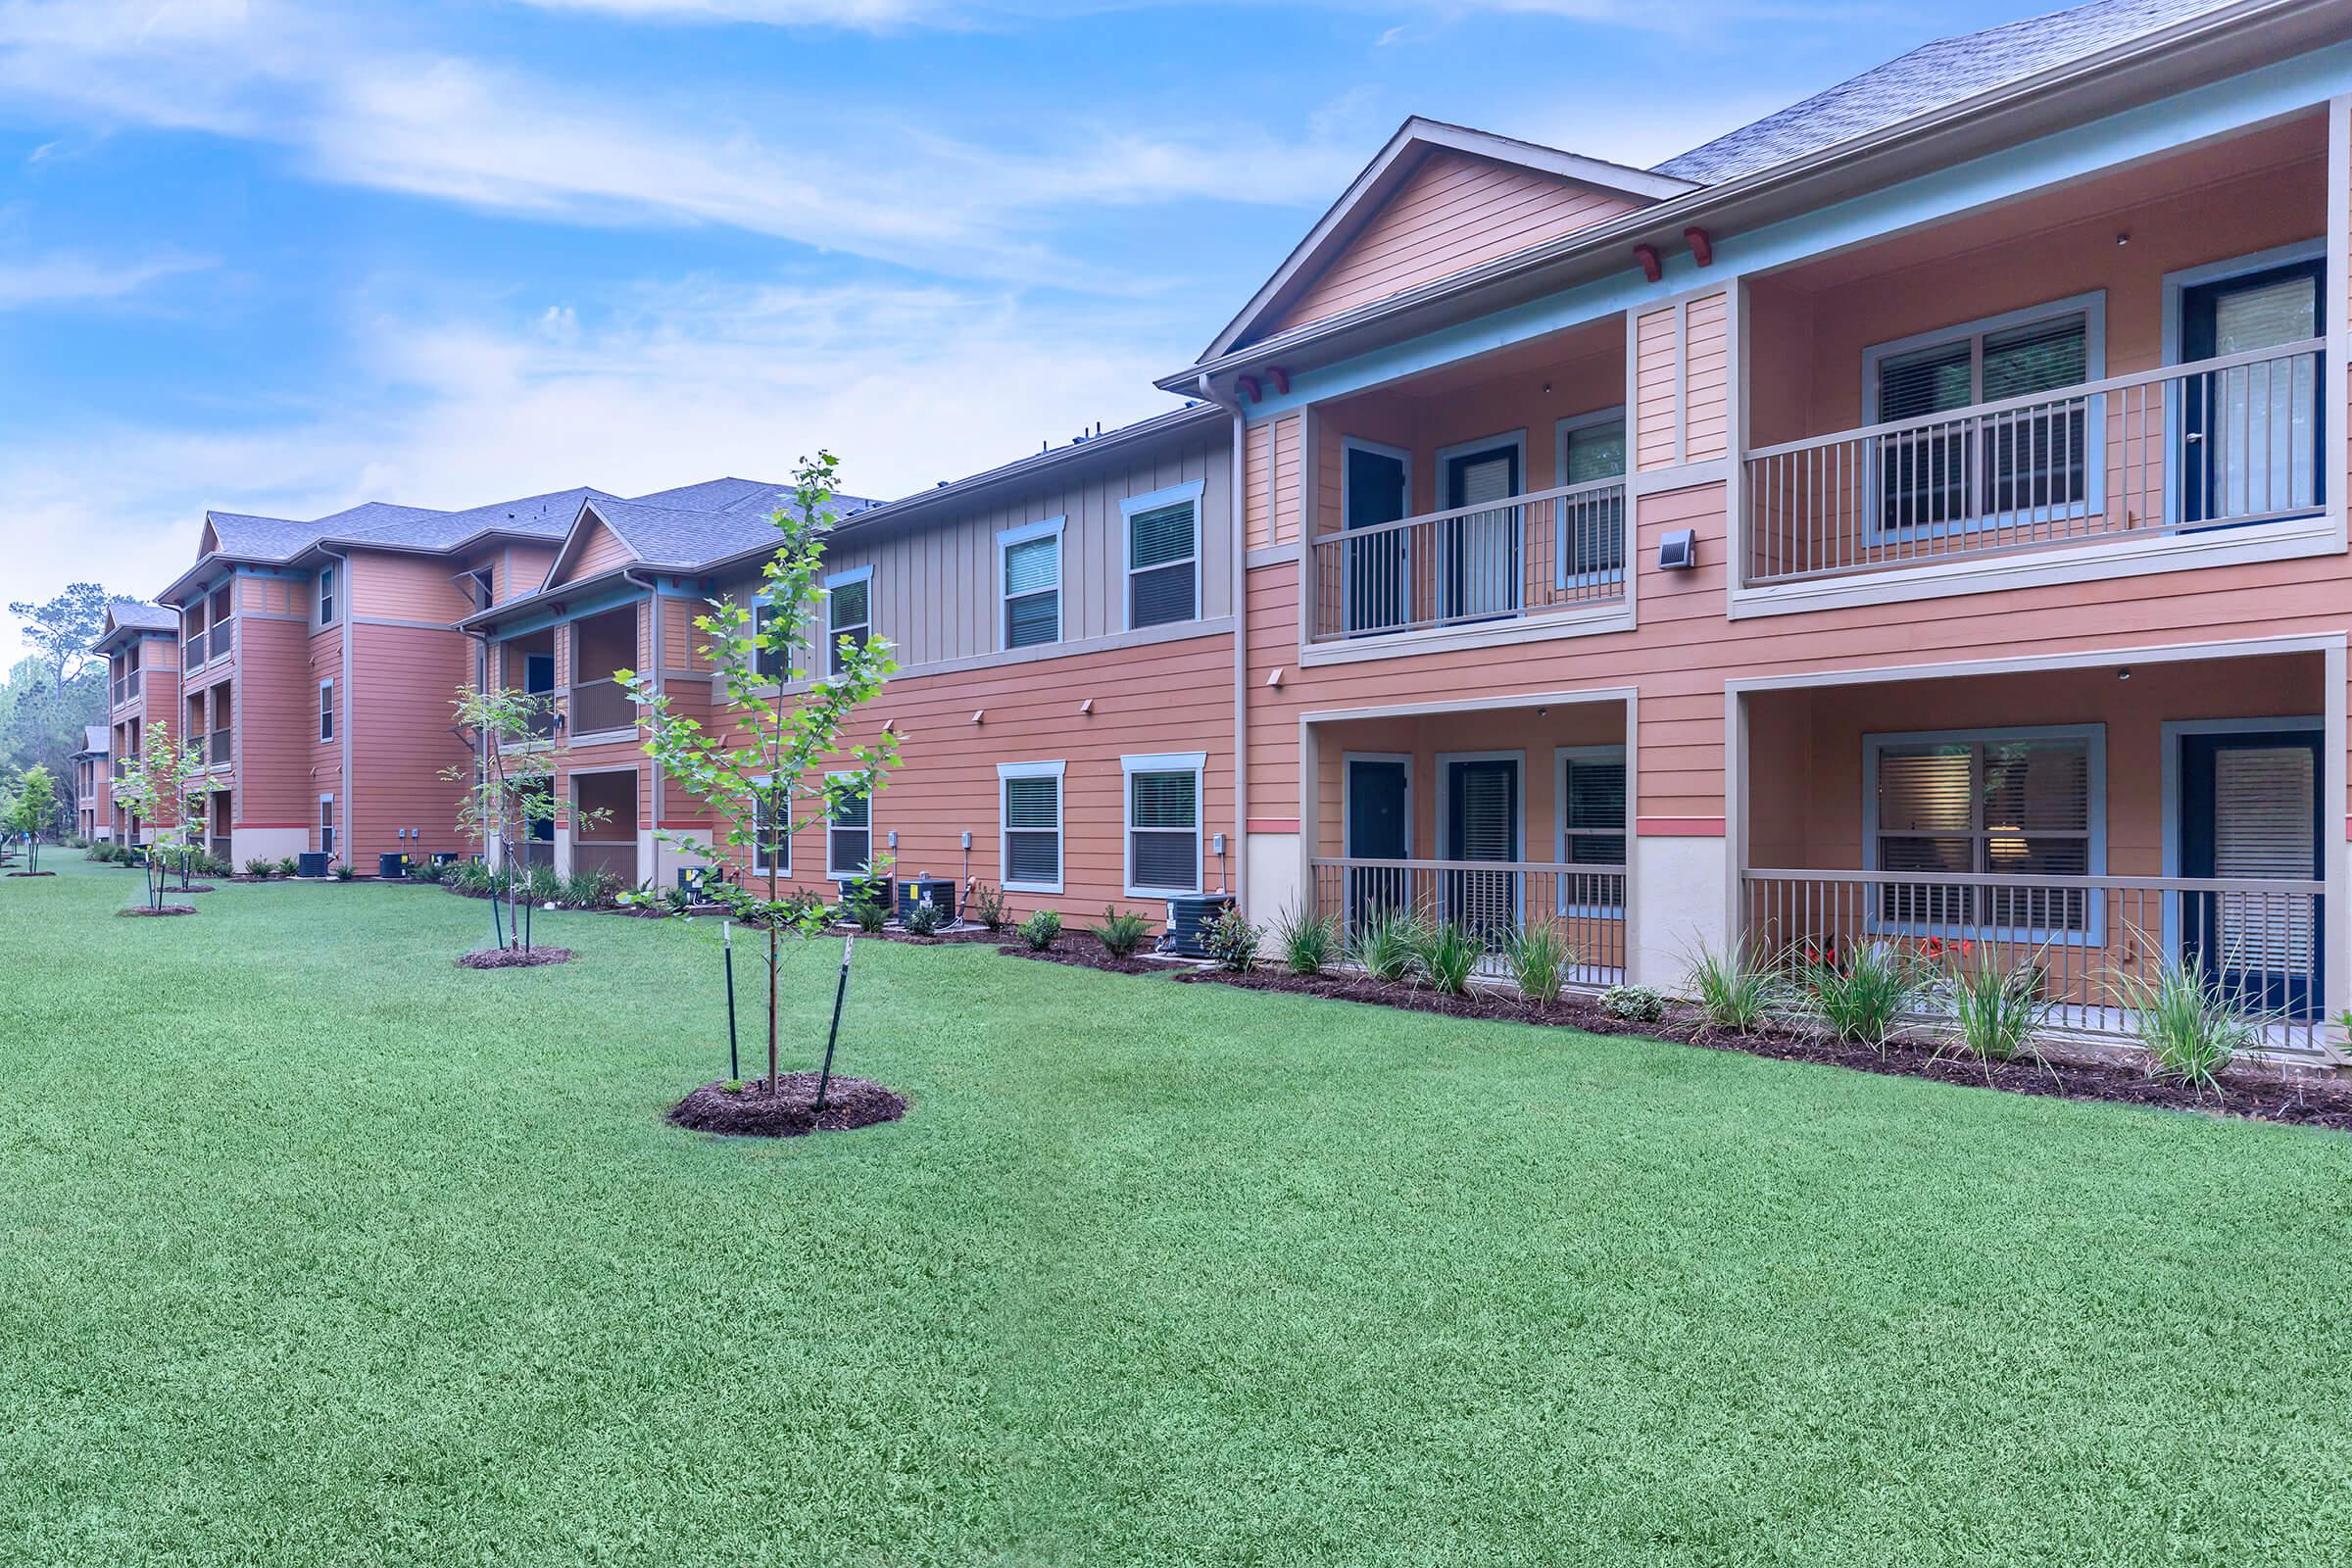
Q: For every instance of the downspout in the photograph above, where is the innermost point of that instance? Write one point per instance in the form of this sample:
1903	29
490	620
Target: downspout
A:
1237	510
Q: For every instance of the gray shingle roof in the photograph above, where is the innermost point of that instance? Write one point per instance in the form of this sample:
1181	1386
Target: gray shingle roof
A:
131	614
671	535
95	740
1934	74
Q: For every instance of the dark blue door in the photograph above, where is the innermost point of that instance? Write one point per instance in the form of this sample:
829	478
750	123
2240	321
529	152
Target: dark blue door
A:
1376	590
2252	435
2250	812
1377	830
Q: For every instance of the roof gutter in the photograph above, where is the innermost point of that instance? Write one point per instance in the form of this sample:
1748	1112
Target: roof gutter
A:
1664	222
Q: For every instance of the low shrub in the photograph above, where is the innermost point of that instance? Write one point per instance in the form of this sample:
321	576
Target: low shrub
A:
984	905
1449	956
2189	1025
259	868
289	867
1539	958
1233	940
923	918
590	889
1992	1013
1041	930
344	871
1866	997
1121	932
1308	942
1634	1004
867	915
1387	946
1736	993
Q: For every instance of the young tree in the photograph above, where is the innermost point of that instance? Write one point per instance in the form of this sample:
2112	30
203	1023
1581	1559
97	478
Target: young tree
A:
753	767
34	812
163	784
507	795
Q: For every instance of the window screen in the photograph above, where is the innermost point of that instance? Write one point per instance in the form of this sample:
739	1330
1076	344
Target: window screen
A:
849	838
1163	831
1162	564
1033	592
1033	832
2019	460
849	614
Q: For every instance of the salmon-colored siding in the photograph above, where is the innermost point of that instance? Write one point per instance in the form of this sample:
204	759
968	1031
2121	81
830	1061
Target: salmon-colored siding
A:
1271	477
598	550
1454	211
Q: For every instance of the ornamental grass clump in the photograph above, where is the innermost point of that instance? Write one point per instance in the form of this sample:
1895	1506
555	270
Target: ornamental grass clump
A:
1308	940
1539	958
1387	946
1735	993
2189	1025
1121	932
1992	1013
1041	930
1449	958
1866	997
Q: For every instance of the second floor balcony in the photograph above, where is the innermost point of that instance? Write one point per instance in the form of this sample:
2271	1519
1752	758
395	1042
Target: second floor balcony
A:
125	688
2223	442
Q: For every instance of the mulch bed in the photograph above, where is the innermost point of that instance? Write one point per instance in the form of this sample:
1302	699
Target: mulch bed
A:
515	958
751	1111
2264	1097
1082	952
168	908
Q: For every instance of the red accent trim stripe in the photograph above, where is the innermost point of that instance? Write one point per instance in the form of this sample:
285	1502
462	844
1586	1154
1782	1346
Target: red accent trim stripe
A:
1272	824
1679	827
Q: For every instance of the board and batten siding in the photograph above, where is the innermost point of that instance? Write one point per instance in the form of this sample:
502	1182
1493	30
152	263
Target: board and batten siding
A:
937	583
1451	213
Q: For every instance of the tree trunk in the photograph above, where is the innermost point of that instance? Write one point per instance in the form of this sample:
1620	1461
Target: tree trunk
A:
775	1082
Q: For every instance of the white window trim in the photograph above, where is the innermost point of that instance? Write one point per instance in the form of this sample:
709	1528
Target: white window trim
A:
1048	529
2096	838
1448	850
763	784
326	711
842	579
834	873
1053	771
1560	431
2093	310
330	828
1173	495
1192	762
330	591
1561	756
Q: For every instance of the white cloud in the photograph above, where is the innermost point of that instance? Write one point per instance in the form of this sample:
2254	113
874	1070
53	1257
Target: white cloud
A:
67	278
687	381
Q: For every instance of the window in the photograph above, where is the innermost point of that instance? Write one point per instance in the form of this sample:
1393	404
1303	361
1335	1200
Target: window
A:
768	662
485	591
1591	824
327	824
327	595
1029	835
1031	573
2028	460
1163	556
327	710
1592	525
849	837
771	834
848	612
2022	802
1163	823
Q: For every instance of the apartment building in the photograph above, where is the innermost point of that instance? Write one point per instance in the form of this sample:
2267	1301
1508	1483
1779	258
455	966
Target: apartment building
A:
92	819
1065	703
1916	517
140	644
317	663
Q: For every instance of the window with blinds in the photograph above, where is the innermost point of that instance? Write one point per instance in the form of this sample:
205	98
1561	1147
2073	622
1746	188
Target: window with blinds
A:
1593	526
1962	470
849	614
769	661
1164	832
849	837
2019	808
1031	842
1163	566
1593	822
771	837
1033	592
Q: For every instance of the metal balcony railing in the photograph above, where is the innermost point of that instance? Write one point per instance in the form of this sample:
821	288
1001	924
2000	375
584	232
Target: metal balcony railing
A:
1491	898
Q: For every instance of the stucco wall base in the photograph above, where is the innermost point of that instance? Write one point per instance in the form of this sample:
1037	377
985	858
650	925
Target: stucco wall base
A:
1276	881
1679	907
266	844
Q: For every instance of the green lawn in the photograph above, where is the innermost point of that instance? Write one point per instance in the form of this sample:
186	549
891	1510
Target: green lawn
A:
316	1249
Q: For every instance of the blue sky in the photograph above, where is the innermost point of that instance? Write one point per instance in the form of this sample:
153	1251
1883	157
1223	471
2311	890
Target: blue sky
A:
283	258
